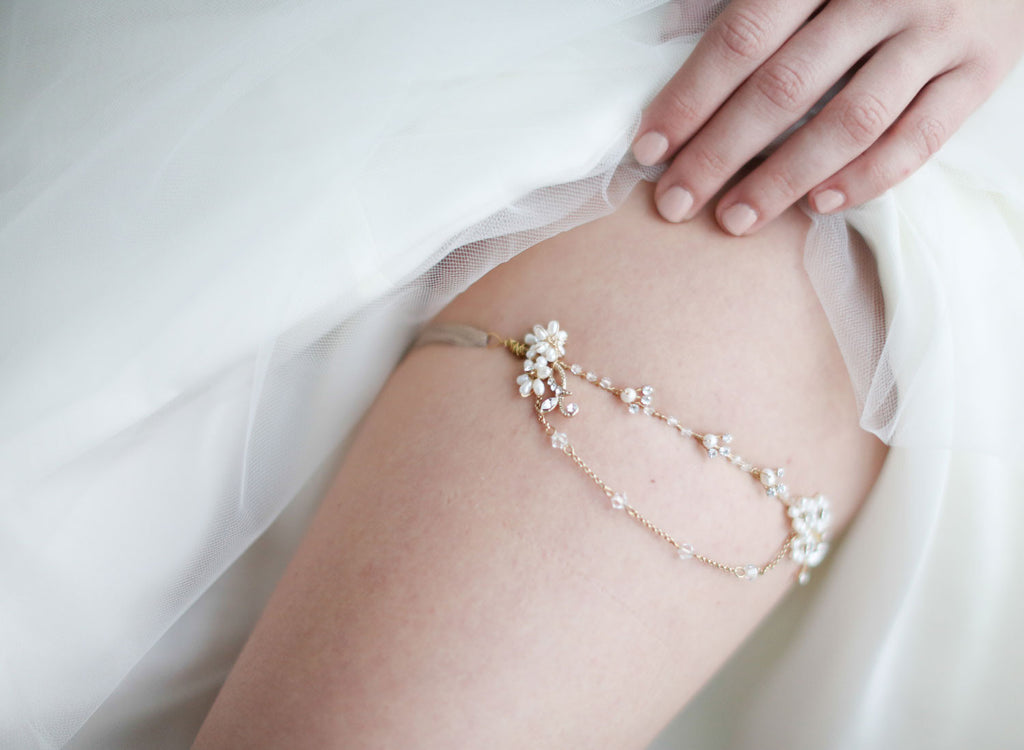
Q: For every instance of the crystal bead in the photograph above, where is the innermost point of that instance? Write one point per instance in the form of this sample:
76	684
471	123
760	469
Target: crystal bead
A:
750	572
634	408
575	369
648	411
559	440
645	400
628	395
727	438
571	410
591	377
605	383
647	391
712	452
618	501
782	491
672	422
685	551
725	451
548	404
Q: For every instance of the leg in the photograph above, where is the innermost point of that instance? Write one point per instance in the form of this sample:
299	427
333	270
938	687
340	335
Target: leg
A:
464	585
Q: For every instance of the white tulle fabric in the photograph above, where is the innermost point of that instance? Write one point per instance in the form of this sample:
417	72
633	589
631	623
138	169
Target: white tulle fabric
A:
220	224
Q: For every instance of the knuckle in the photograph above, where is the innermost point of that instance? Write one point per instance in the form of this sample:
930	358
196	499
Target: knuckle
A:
744	33
983	71
783	84
931	134
863	120
784	186
679	107
879	176
709	161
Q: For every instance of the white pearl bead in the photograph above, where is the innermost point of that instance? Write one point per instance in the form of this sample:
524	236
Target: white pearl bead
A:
768	478
710	441
750	572
628	395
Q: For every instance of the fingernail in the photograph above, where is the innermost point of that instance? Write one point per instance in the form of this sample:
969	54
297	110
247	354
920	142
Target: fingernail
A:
674	204
649	148
828	200
738	219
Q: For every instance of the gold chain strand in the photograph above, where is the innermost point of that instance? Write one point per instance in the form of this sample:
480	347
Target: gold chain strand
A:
740	571
544	371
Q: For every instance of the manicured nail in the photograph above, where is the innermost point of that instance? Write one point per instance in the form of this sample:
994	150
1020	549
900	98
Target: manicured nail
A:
738	219
649	148
674	204
827	201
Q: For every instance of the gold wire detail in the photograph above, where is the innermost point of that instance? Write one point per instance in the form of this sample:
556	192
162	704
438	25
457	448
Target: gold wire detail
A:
518	348
740	571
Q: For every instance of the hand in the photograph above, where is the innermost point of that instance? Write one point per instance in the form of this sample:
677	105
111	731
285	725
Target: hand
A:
919	68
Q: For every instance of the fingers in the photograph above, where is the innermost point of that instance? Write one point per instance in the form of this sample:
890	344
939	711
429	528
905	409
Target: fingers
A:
847	127
744	35
939	110
774	97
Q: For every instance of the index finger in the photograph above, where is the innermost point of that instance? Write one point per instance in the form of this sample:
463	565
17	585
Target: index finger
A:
740	39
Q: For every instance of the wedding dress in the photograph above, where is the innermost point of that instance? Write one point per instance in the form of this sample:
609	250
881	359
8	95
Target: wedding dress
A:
222	222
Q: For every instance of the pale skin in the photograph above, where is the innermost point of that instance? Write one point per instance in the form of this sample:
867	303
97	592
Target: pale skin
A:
463	585
918	69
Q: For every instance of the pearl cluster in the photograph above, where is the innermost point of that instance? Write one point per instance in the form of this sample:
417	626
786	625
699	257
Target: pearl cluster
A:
542	368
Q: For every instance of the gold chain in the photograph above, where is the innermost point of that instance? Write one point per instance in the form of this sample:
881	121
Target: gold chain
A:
544	371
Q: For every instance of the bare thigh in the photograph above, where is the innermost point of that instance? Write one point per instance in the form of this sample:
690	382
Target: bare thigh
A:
464	585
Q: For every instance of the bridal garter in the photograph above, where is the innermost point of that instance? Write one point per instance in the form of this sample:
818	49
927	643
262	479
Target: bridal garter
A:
545	377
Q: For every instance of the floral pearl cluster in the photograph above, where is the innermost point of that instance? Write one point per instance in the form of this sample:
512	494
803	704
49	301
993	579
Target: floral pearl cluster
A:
542	369
811	517
546	348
